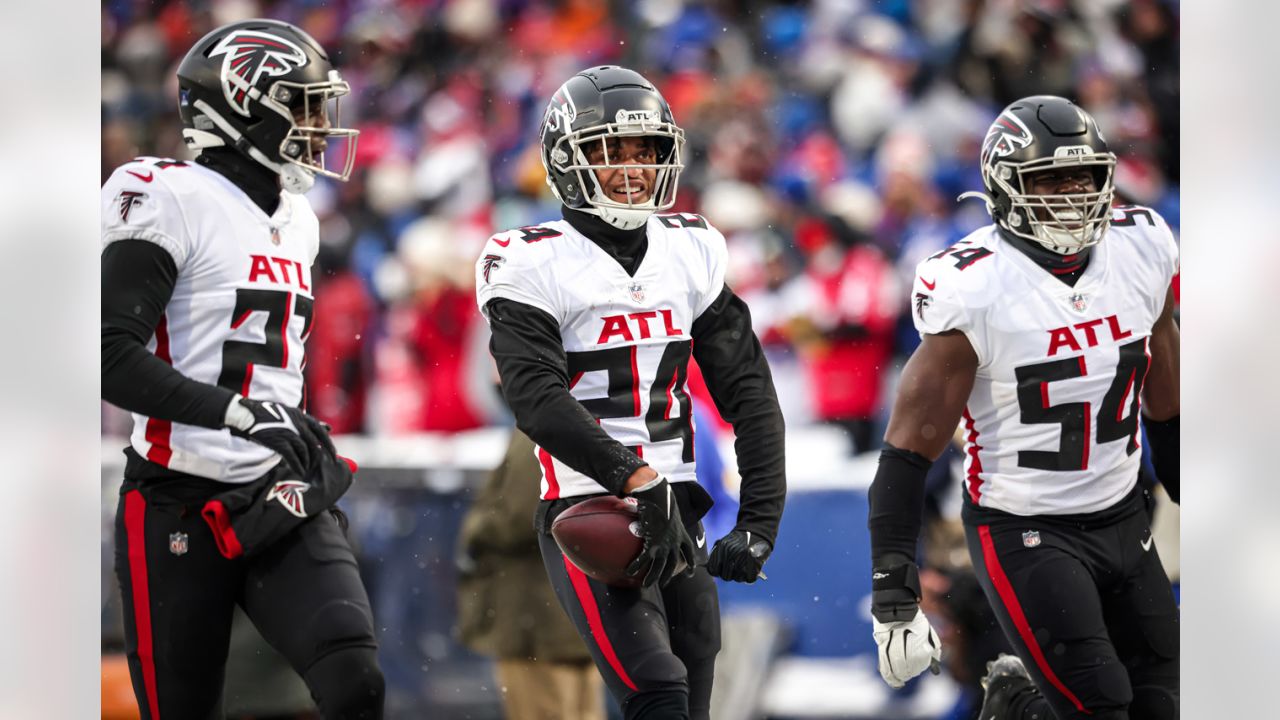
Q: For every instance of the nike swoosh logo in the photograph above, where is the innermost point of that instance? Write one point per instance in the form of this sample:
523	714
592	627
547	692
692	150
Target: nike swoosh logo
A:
930	285
144	178
502	243
702	540
1146	544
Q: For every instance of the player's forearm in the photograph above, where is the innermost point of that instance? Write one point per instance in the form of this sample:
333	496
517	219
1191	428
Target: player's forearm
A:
562	427
760	447
896	506
738	376
532	367
135	380
1164	438
1162	392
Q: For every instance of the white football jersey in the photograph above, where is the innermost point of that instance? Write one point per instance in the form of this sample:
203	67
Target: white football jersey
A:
1051	426
627	338
241	308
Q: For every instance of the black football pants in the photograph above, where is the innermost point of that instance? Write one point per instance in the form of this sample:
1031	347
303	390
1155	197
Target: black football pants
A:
1088	609
303	593
655	648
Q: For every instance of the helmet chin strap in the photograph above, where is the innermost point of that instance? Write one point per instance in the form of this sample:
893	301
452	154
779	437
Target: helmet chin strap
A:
620	218
1050	237
296	179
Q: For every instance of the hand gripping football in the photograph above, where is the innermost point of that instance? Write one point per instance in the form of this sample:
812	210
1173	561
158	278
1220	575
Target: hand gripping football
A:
601	536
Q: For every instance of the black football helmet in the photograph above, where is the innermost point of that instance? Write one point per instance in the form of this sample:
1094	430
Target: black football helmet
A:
1039	133
267	89
599	105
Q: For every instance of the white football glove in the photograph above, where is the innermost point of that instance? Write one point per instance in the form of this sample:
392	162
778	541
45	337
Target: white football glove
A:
907	649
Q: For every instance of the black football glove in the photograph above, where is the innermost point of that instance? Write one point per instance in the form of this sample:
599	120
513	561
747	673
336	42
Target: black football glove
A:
739	556
666	542
295	435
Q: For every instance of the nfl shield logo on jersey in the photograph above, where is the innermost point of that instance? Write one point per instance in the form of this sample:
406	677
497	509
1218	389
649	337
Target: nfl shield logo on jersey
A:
637	291
1031	538
1079	302
178	543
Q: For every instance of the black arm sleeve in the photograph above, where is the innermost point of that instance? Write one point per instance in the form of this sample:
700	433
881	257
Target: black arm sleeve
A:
896	506
533	367
894	517
137	282
1164	438
738	377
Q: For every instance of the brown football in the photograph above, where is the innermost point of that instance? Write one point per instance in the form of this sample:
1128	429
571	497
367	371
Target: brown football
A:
601	536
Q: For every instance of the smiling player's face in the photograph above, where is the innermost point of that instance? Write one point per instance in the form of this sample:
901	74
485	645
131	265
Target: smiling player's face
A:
628	182
1061	181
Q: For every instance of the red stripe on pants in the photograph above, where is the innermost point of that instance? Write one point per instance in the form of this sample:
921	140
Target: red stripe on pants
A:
588	601
135	509
1005	589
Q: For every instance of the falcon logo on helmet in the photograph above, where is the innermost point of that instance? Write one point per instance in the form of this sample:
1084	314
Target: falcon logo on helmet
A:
289	493
248	55
1007	135
561	112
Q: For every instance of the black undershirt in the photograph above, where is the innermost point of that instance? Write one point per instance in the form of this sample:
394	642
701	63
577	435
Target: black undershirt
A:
533	366
138	278
626	246
260	183
1067	268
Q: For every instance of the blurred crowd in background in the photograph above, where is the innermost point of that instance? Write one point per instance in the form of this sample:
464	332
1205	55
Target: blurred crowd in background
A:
827	140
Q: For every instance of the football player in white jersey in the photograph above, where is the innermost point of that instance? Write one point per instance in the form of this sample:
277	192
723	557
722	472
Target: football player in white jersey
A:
594	320
1050	333
206	304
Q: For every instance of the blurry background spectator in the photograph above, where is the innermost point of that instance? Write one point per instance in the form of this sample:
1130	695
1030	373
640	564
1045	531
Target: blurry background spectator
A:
828	140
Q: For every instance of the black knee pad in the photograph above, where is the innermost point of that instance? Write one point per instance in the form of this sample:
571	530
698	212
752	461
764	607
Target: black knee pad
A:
347	684
1111	683
657	705
657	670
341	623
